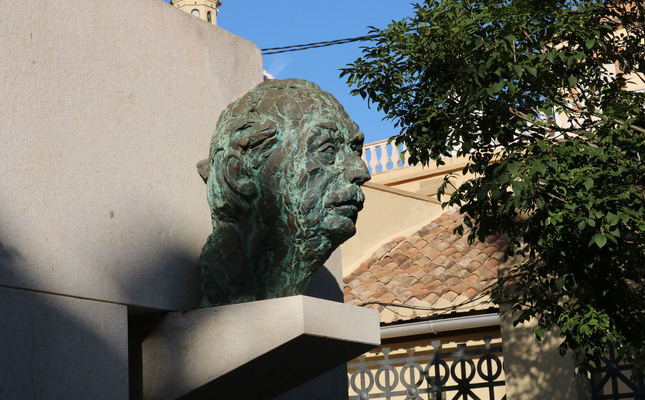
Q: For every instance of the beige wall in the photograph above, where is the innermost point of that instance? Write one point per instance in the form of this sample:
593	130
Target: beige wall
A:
387	213
106	109
423	180
535	370
397	203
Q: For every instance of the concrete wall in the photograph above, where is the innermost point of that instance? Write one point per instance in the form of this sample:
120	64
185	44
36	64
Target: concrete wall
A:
106	109
56	347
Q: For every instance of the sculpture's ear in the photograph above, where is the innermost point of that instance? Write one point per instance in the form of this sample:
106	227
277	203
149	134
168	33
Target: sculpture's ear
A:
238	178
203	169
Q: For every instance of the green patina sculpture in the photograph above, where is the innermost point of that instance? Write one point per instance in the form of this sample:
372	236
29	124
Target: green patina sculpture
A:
284	179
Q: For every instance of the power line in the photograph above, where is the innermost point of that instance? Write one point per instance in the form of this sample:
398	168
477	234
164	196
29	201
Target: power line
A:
307	46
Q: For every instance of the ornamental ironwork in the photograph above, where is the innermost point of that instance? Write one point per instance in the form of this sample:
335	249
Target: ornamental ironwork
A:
464	374
613	380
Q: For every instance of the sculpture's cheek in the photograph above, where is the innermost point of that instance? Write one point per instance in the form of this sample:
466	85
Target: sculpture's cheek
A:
309	203
312	219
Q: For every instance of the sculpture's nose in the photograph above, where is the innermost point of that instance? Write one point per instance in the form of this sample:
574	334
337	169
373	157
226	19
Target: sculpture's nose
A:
356	171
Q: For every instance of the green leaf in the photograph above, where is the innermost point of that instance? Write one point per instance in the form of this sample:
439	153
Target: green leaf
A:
612	218
573	80
539	333
599	239
532	71
559	284
550	56
497	87
491	77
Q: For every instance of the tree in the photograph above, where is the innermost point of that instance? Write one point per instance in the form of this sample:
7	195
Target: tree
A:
524	88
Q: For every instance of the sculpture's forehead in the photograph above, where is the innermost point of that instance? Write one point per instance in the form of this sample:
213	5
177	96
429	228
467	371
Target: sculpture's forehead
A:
326	112
341	129
307	106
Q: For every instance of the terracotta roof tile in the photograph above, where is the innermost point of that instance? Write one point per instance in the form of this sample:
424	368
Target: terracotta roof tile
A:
460	244
352	284
442	245
491	263
449	251
430	269
429	278
441	260
403	246
419	273
439	270
449	295
431	299
481	257
419	244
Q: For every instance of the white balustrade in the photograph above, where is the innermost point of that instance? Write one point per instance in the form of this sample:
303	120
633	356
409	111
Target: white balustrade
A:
382	156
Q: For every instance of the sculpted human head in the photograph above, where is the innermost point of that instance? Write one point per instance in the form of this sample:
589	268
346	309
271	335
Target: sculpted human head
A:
284	175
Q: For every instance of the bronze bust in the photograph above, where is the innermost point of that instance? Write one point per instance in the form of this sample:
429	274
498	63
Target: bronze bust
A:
283	186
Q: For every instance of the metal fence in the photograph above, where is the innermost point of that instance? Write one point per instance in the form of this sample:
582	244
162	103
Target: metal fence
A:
463	374
613	381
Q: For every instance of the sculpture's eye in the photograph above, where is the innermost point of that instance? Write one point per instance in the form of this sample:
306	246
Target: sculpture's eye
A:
328	152
357	147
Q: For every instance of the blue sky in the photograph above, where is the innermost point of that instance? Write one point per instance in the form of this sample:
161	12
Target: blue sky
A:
290	22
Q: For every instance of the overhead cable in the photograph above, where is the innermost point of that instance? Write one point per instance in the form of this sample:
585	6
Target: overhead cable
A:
299	47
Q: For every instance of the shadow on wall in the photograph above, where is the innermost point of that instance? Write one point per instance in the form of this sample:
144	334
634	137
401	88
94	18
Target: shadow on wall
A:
56	347
141	321
535	369
61	347
325	286
163	284
139	248
156	265
68	347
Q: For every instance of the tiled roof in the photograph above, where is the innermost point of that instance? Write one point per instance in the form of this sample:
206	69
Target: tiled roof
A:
433	270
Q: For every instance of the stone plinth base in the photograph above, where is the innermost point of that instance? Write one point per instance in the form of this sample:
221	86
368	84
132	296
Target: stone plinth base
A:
253	350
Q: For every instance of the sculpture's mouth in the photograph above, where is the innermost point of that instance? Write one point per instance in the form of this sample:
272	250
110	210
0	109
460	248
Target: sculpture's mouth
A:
348	210
348	203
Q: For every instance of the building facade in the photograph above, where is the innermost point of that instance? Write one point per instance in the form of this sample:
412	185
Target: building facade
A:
441	338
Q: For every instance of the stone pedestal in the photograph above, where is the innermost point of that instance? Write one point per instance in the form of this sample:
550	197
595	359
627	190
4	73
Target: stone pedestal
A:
253	350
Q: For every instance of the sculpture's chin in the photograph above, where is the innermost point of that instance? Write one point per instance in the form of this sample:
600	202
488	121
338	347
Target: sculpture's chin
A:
340	228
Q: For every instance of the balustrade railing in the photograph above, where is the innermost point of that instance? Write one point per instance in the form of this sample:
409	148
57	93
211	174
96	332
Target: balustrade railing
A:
414	375
382	156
